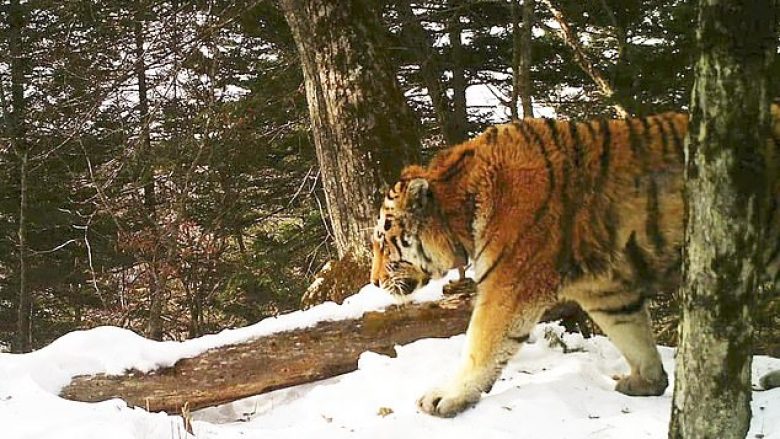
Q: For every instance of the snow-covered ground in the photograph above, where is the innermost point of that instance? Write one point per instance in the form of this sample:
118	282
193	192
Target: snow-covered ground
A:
543	393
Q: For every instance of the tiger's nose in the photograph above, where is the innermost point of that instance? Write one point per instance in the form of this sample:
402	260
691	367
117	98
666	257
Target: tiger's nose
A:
375	282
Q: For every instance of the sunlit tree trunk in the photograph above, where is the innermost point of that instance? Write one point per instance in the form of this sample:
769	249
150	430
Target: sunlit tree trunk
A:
726	188
363	129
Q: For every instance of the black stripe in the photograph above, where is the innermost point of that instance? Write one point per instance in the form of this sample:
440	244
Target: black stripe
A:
597	263
565	262
576	144
422	253
457	166
520	128
555	135
611	224
579	150
636	146
679	143
591	130
605	207
484	247
650	137
652	222
662	134
552	125
633	138
606	154
575	267
644	142
394	241
491	135
492	267
629	308
525	128
588	148
643	273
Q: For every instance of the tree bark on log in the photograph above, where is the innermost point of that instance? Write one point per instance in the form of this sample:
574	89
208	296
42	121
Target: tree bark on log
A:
276	361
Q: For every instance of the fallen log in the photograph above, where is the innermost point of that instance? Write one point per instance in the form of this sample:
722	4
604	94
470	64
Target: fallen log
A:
276	361
288	358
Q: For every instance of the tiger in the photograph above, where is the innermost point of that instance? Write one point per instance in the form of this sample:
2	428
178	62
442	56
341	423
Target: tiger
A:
546	211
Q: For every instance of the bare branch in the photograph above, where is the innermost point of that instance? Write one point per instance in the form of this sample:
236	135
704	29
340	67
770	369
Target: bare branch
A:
570	38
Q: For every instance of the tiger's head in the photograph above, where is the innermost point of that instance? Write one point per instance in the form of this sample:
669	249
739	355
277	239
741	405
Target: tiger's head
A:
412	243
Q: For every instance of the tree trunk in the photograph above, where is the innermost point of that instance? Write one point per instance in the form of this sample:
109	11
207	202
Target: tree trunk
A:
16	21
363	129
521	57
460	121
154	326
727	183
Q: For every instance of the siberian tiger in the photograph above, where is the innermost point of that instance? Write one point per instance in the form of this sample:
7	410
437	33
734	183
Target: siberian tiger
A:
547	210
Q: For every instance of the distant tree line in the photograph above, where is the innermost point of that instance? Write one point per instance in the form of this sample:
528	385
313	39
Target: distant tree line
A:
160	171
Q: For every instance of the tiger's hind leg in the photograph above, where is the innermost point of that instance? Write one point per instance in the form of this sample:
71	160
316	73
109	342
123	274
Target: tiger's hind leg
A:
500	323
623	316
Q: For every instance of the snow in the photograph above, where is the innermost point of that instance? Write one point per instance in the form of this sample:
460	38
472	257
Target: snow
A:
543	392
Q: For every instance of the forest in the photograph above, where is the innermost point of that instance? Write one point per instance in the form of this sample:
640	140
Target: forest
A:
189	194
159	167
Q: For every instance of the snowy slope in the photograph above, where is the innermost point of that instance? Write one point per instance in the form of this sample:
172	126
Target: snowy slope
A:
544	393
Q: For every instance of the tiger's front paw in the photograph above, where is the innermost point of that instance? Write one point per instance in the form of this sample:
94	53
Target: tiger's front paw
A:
447	402
635	385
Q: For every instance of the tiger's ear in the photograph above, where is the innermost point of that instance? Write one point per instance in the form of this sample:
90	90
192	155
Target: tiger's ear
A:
418	196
